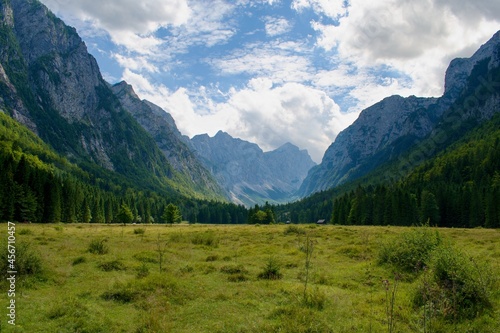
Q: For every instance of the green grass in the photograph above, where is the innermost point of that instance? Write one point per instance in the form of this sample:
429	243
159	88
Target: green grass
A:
209	281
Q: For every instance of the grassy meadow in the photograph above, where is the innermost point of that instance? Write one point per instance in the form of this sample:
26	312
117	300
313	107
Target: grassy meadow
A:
251	278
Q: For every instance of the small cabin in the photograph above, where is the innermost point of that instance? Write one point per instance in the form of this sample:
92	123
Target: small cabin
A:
321	222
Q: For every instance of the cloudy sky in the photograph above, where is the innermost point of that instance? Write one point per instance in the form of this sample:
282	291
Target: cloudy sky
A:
276	71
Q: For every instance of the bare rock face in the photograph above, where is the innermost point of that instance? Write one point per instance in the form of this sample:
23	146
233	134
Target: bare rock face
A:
249	175
162	128
389	128
58	59
50	83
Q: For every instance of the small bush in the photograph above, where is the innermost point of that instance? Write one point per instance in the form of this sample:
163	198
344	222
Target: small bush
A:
292	229
142	271
237	277
75	316
147	257
212	258
271	271
114	265
207	239
315	299
412	251
27	262
233	269
98	246
25	232
79	260
121	293
458	287
139	231
186	269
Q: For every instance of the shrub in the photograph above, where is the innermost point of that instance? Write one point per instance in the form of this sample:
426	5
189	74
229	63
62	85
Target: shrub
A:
412	251
237	277
98	246
315	299
121	293
147	257
114	265
73	315
186	269
139	231
79	260
233	269
212	258
271	271
25	232
292	229
458	287
27	262
207	239
142	271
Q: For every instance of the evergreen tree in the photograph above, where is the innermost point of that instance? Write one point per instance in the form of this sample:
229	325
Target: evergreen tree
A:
171	214
429	210
125	215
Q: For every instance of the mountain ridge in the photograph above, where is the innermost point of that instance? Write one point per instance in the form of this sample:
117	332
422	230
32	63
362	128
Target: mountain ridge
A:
390	127
247	173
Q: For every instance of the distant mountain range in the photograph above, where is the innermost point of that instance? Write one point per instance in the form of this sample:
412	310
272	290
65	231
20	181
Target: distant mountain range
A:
249	175
53	86
50	84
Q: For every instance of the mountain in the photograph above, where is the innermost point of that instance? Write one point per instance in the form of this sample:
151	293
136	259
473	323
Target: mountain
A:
161	126
249	175
51	84
388	129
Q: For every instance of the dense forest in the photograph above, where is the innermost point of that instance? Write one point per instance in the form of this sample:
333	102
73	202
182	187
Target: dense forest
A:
460	187
38	185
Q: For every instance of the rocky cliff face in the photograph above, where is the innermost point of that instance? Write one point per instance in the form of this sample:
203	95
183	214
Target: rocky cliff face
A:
389	128
161	126
50	83
249	175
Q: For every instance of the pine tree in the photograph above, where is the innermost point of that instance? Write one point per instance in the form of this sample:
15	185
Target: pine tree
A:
125	215
429	209
171	214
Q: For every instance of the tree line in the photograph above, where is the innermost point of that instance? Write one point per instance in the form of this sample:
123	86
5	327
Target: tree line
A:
458	188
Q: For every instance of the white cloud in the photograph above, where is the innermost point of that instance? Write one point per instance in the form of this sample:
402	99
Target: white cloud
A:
262	112
141	17
271	115
138	63
417	38
364	51
276	26
331	8
281	61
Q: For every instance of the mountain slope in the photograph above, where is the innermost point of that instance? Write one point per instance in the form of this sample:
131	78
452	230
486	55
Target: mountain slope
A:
161	126
51	84
249	175
391	127
450	176
460	187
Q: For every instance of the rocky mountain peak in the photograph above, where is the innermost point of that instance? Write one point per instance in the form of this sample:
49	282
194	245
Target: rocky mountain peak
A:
390	127
460	68
249	175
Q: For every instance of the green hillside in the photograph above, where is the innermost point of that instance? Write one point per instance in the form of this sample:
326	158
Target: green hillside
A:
460	186
39	185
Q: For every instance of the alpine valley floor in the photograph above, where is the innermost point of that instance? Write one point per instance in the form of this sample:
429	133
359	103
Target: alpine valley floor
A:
212	278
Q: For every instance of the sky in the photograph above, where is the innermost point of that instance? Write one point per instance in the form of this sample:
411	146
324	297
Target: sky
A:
276	71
